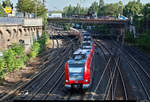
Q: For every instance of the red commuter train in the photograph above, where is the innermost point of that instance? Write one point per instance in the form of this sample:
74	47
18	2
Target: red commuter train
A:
78	70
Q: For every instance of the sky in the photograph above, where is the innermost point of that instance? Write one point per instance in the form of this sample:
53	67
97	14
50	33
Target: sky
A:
60	4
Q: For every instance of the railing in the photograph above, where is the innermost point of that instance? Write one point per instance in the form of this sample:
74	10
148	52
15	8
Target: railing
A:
33	22
21	21
11	21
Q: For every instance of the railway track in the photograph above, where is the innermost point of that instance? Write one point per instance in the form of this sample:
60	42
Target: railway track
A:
141	58
76	94
53	59
140	72
111	83
30	83
111	86
24	84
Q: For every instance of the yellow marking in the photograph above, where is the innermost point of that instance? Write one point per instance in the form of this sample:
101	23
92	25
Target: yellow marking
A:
8	10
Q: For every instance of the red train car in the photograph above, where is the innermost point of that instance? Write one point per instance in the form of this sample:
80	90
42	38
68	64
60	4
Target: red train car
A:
78	70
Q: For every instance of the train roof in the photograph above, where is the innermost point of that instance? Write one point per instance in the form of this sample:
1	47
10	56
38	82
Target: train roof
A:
79	56
87	42
84	31
87	37
81	51
86	47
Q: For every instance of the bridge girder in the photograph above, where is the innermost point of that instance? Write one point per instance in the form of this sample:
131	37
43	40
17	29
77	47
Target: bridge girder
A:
87	21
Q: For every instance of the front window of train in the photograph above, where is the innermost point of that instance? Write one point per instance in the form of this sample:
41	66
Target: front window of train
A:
76	72
86	44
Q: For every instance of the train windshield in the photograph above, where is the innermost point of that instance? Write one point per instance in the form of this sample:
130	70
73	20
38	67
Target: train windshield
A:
76	71
86	47
87	39
86	44
78	56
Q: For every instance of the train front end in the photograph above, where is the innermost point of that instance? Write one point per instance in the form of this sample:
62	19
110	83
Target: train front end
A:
77	72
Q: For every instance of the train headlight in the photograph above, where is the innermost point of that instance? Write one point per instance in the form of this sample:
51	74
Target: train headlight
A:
86	81
67	81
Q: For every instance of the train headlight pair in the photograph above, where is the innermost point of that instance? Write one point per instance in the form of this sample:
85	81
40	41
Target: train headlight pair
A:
67	81
86	81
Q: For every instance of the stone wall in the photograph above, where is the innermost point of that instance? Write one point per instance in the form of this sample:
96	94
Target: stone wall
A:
19	33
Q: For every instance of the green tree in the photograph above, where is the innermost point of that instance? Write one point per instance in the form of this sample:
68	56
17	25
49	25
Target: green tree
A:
41	9
68	11
133	8
2	65
29	6
94	7
26	6
77	9
7	3
2	12
101	3
138	1
71	10
120	9
146	15
109	10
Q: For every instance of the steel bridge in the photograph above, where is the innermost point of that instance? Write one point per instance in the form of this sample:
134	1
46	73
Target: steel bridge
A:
87	21
119	26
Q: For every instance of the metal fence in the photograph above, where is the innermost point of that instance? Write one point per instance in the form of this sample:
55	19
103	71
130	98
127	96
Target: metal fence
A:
21	21
11	21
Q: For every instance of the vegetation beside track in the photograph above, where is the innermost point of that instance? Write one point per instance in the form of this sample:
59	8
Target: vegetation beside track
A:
15	57
142	41
39	46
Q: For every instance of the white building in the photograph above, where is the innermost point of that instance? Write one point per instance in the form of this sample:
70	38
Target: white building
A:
54	15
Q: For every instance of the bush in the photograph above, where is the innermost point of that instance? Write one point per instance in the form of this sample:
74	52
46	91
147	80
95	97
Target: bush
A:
34	50
18	49
144	41
67	26
43	41
2	65
15	57
10	60
129	37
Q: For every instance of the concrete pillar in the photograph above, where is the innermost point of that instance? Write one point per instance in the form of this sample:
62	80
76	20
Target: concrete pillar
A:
35	34
14	33
25	32
2	41
40	31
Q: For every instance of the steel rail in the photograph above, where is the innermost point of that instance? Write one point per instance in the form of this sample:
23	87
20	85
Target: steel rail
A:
54	85
123	83
26	85
106	67
112	78
135	61
148	96
125	91
59	67
22	85
113	96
